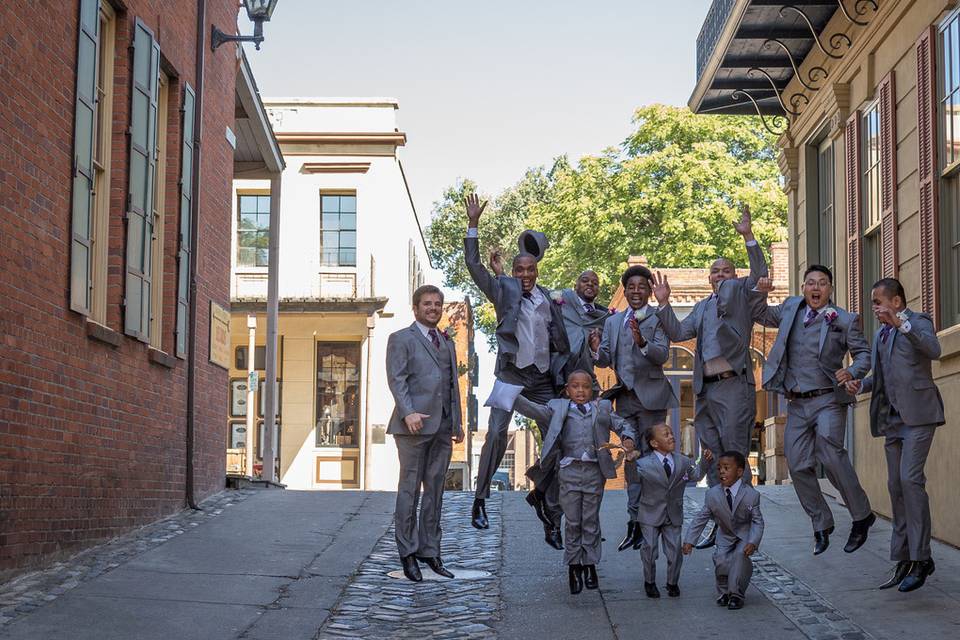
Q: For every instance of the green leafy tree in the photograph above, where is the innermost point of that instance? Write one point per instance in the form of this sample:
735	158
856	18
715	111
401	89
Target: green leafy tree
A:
670	192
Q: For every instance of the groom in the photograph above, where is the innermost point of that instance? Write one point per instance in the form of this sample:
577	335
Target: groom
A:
531	343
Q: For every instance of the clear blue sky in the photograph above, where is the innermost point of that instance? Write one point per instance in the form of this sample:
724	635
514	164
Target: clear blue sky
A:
487	88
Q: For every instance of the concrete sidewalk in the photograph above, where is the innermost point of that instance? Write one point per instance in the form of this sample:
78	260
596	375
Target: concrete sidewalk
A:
286	565
271	566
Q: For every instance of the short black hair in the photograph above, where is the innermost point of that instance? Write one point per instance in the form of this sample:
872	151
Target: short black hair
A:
424	290
892	287
635	270
651	432
820	268
576	371
736	456
524	254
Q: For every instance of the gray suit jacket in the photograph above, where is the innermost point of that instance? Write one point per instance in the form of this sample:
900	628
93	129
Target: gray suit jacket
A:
909	372
734	300
661	497
578	324
555	413
744	523
836	338
413	375
650	384
506	292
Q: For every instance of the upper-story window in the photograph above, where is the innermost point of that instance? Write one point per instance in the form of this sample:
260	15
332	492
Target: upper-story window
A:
948	86
338	235
825	211
870	199
253	230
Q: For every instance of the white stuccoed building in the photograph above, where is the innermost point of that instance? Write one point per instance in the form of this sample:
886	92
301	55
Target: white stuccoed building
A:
351	253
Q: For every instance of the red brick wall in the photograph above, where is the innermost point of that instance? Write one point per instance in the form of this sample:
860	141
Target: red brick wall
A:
92	437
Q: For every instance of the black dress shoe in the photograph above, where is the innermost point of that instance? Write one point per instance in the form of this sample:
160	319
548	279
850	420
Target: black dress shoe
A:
821	540
590	578
436	565
673	590
638	537
917	576
736	602
628	538
899	573
551	535
650	588
723	600
478	514
858	533
575	573
535	500
709	540
411	569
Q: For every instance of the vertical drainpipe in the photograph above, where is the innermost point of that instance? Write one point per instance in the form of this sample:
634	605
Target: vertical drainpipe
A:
195	246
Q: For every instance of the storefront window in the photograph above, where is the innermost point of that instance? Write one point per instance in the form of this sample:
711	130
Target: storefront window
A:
338	394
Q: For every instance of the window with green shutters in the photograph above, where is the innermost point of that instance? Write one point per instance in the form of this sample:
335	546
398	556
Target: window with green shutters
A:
84	137
186	220
140	191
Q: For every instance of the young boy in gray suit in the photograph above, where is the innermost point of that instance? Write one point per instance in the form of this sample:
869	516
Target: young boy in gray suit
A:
579	429
735	506
663	475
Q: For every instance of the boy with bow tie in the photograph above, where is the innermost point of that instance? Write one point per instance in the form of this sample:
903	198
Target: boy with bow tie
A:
579	430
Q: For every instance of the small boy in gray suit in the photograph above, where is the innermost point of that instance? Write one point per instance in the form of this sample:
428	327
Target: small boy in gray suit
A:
579	429
735	506
663	475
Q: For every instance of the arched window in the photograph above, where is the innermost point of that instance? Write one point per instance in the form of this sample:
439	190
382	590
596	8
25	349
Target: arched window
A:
681	359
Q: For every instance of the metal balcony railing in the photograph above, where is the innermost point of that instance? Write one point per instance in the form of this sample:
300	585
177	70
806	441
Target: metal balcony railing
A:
713	26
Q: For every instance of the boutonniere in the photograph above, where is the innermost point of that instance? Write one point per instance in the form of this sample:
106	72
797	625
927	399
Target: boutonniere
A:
640	315
830	315
612	310
448	333
557	297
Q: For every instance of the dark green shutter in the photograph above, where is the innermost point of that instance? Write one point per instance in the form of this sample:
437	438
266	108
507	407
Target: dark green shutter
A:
140	191
84	139
186	202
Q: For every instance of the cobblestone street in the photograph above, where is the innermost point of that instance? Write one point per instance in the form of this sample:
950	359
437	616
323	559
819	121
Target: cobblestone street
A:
284	564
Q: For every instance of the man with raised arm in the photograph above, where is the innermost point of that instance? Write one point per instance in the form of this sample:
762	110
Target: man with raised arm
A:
531	343
726	399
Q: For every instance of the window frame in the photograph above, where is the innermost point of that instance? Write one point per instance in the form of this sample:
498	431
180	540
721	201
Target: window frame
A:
157	254
258	193
357	427
102	163
826	204
949	170
870	184
330	193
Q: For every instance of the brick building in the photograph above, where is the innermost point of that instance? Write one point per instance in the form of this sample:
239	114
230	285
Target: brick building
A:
104	110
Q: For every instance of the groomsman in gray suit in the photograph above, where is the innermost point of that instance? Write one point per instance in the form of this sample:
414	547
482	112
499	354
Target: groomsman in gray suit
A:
583	317
806	365
532	345
905	410
725	408
635	346
422	375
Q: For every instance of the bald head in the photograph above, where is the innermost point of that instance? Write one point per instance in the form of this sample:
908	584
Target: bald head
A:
721	269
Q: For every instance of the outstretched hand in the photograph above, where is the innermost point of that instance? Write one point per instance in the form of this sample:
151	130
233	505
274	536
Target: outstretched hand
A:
661	288
765	285
474	209
745	226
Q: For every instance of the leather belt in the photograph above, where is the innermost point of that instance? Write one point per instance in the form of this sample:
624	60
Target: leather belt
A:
807	394
720	376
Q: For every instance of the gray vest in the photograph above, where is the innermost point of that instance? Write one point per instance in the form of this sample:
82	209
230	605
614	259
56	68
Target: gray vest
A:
625	355
709	339
578	435
804	372
883	352
533	336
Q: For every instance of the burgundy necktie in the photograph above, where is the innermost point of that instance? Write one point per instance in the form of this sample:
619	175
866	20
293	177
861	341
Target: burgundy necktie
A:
811	316
434	338
885	333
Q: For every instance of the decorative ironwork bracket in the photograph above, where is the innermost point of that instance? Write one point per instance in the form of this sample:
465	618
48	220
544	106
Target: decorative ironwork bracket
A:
780	122
814	75
835	39
859	10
